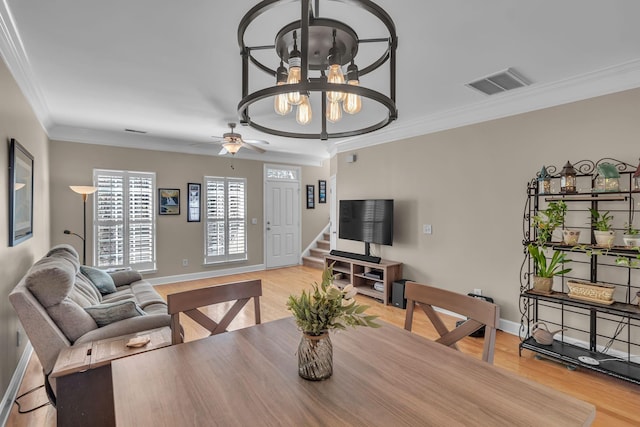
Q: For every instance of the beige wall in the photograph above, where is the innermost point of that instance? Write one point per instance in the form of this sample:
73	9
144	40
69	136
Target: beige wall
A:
177	239
469	184
18	121
316	219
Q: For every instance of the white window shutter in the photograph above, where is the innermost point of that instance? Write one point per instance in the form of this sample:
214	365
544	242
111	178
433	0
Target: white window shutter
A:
124	219
225	219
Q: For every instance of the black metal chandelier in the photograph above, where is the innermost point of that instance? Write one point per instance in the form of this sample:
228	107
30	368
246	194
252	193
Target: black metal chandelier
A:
316	49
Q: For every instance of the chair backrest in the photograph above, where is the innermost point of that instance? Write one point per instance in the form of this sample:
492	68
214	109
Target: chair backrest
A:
478	312
188	302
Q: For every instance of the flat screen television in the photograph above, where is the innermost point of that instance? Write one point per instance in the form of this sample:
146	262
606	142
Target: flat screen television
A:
369	221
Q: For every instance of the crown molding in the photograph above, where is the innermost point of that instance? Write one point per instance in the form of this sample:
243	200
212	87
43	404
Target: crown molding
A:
14	55
535	97
156	143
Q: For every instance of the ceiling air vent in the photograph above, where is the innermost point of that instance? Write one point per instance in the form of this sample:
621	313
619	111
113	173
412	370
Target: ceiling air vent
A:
500	82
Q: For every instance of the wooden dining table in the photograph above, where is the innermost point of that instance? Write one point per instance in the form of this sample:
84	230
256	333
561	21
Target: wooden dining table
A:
381	377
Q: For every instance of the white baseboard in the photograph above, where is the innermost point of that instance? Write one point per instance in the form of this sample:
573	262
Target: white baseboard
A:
509	327
205	274
14	385
505	325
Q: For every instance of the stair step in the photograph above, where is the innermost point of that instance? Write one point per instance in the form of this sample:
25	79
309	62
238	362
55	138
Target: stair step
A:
313	262
318	253
323	244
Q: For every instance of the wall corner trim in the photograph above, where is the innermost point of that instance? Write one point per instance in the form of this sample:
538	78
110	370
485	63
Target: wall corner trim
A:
14	385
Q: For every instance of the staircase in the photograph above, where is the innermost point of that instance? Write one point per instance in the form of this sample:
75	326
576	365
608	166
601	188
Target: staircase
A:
315	259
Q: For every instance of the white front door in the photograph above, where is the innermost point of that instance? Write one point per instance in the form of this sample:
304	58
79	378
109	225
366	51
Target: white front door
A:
282	221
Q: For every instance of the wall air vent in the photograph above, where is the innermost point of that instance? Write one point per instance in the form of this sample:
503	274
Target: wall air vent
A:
500	82
135	131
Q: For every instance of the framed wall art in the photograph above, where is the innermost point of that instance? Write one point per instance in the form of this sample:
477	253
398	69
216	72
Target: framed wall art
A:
20	193
310	196
322	191
193	204
169	201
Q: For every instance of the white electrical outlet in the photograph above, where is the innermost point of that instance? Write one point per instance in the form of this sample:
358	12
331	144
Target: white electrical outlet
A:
477	291
426	228
185	262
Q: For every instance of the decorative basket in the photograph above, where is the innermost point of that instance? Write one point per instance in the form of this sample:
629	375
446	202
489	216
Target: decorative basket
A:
593	292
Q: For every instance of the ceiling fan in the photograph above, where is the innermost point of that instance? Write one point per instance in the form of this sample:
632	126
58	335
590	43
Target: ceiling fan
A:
232	142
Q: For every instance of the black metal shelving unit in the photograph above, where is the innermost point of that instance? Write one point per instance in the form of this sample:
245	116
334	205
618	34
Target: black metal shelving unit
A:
607	333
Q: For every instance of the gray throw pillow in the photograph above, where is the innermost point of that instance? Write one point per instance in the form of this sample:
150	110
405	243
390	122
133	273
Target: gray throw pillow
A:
100	279
105	314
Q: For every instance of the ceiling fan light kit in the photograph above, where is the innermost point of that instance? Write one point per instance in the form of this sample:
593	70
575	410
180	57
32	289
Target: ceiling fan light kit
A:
315	49
232	142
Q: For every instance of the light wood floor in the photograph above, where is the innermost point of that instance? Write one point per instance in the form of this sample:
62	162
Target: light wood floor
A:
617	401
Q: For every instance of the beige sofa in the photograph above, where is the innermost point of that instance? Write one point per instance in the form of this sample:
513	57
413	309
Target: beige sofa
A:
59	306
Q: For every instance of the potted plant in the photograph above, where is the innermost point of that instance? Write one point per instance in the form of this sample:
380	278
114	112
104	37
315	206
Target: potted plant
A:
546	269
318	311
546	221
631	235
602	223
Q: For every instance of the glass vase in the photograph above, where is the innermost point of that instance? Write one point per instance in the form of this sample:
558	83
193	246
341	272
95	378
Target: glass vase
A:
315	357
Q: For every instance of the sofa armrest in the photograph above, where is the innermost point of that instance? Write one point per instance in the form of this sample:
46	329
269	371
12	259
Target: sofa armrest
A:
127	326
125	277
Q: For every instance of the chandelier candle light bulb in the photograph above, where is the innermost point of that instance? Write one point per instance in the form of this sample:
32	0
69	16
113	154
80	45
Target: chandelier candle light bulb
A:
295	72
335	74
303	113
334	112
352	103
281	103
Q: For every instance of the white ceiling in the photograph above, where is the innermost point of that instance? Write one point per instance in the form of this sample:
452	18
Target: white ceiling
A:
92	68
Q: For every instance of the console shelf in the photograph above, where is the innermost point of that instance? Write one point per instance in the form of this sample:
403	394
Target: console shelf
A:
363	275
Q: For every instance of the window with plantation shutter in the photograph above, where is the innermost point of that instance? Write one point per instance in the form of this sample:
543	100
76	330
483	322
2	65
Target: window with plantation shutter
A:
225	219
124	219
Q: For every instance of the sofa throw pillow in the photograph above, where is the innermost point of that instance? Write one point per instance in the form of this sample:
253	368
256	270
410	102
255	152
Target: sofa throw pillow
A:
100	279
105	314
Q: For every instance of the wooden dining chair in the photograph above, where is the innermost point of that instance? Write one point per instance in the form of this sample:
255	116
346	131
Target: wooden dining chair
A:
478	312
189	302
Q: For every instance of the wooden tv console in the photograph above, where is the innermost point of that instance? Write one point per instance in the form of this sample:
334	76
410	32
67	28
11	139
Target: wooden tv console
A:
363	274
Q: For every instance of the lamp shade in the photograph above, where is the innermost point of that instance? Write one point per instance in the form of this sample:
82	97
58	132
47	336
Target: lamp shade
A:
232	147
83	189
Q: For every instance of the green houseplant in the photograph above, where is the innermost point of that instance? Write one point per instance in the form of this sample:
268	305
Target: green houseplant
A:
318	311
631	236
545	269
602	232
547	220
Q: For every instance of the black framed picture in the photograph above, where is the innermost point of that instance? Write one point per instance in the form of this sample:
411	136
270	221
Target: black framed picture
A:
20	193
310	196
322	191
193	203
169	199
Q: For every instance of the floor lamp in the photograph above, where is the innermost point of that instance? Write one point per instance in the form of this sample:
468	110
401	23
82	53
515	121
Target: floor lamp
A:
84	190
